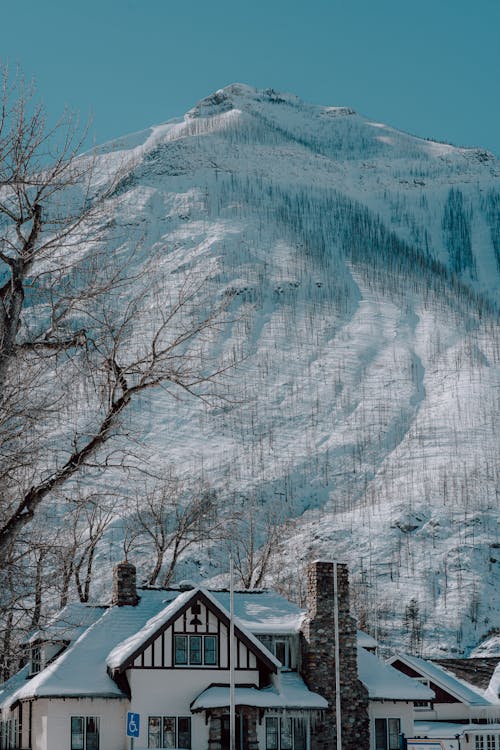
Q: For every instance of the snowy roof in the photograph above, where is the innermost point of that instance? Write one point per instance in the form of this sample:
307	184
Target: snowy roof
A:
126	649
446	680
450	729
81	668
12	685
264	611
478	672
68	623
365	640
492	693
289	692
116	633
386	683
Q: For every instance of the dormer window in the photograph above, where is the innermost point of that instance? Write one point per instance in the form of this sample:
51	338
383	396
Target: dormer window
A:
36	659
280	647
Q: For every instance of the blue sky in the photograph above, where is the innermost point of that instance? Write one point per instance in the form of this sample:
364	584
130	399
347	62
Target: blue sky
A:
430	68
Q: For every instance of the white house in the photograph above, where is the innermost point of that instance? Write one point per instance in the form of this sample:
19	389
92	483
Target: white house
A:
464	713
164	656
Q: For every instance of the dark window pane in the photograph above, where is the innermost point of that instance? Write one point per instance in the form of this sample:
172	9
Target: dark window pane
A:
210	645
280	652
195	649
92	734
286	742
36	659
77	733
181	649
271	733
380	734
184	732
394	730
168	731
299	734
154	731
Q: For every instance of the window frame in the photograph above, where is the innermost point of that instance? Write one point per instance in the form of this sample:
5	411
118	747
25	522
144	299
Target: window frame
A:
298	729
85	732
191	654
422	705
389	733
162	731
36	659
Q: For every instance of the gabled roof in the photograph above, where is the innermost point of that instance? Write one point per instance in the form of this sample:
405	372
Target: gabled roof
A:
456	687
125	653
477	672
386	683
107	637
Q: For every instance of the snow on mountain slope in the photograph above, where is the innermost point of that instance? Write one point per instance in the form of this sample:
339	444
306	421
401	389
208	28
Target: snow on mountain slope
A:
362	265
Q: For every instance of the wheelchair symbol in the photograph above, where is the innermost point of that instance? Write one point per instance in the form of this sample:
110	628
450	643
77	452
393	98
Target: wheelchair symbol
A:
132	725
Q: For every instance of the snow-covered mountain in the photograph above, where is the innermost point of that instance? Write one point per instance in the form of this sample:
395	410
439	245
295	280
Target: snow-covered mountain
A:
363	269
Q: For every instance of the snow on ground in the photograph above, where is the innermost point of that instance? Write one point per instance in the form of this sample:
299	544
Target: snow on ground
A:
365	401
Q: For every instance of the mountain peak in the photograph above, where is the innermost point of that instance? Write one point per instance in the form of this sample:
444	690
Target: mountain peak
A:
234	95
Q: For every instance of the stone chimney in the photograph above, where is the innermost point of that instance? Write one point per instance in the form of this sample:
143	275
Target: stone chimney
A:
124	586
318	659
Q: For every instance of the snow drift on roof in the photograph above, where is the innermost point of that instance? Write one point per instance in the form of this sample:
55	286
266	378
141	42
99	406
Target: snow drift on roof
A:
126	649
386	682
289	692
458	688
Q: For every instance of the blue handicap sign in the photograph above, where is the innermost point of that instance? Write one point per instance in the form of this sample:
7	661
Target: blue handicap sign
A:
133	721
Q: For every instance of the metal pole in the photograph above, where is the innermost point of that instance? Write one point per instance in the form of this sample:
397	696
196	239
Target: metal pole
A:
232	713
338	716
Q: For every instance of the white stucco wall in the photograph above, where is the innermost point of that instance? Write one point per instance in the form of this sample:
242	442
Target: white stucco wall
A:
390	710
51	722
170	692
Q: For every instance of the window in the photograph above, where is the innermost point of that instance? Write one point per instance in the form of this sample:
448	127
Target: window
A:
280	647
479	742
422	705
169	732
387	734
492	742
210	649
195	650
36	659
281	651
8	734
285	733
84	733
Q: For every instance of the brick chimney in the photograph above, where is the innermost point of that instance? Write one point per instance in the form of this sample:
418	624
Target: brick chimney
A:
318	659
124	586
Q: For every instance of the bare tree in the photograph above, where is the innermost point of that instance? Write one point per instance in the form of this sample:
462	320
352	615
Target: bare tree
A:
82	336
172	517
64	311
253	537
